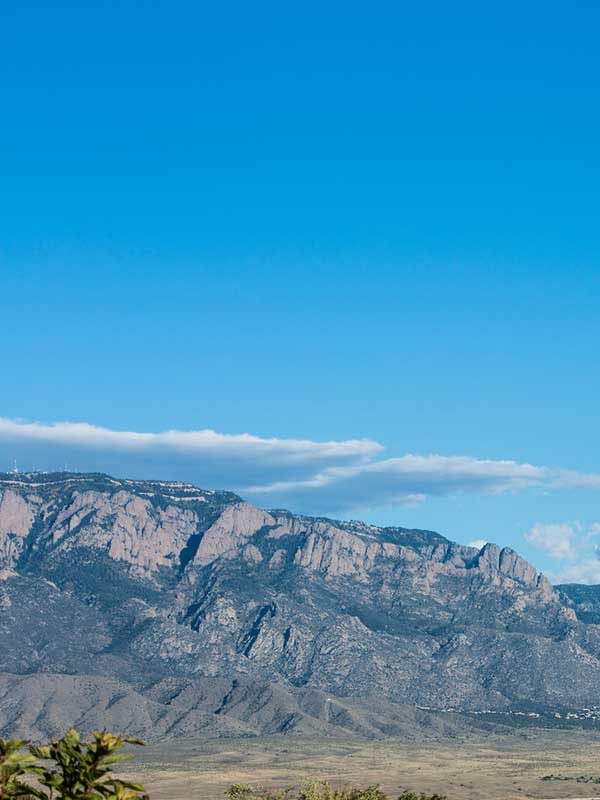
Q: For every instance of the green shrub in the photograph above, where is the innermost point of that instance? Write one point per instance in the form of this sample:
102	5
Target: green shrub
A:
72	769
245	791
14	765
319	790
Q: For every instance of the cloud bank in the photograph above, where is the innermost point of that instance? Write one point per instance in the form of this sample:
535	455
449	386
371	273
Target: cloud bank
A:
216	459
318	477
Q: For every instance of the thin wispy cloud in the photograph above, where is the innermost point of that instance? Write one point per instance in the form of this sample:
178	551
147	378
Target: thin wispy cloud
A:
410	478
302	474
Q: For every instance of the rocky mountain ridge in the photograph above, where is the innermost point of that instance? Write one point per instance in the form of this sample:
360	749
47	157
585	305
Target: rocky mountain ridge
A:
190	610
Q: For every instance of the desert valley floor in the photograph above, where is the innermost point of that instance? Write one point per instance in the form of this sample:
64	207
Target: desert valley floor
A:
492	767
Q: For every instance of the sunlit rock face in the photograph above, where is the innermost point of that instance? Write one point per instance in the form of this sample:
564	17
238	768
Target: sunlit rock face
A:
16	518
150	584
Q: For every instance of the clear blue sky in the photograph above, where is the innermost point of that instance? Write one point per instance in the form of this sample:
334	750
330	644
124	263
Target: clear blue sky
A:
341	222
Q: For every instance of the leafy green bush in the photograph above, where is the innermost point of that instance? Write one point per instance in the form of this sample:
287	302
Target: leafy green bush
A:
14	765
72	769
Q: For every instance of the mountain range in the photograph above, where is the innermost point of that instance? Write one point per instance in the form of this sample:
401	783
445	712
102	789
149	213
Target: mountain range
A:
161	609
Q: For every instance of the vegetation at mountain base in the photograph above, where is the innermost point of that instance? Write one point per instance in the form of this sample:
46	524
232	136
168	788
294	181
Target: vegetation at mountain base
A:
319	790
67	769
576	778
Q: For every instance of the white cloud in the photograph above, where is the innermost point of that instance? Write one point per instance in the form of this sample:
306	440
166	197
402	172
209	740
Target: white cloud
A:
302	474
478	543
573	544
558	540
201	441
586	571
216	459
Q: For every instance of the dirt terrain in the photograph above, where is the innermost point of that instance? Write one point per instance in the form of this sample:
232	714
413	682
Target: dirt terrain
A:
494	768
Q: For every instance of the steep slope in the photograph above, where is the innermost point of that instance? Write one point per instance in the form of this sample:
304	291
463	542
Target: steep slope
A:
253	621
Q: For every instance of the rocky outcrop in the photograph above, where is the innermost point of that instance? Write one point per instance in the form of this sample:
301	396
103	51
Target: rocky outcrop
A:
127	527
235	526
16	518
146	525
335	552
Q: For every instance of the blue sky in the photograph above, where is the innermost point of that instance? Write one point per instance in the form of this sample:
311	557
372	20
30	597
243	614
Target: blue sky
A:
336	224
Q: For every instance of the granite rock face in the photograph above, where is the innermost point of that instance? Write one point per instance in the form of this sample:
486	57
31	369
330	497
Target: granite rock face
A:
177	599
16	519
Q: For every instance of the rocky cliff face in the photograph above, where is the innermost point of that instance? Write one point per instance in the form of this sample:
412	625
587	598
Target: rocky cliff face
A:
263	620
